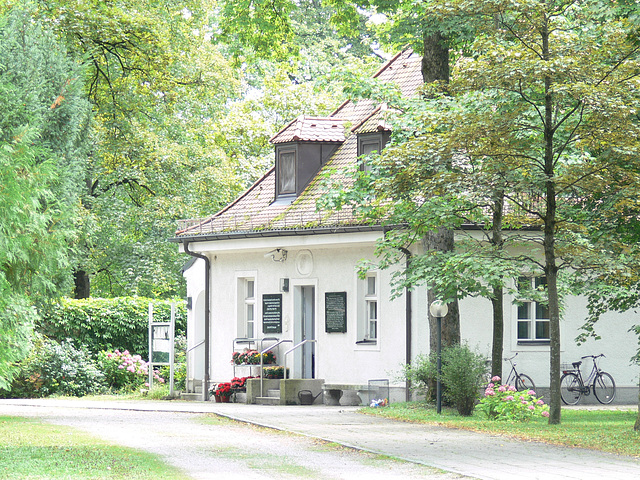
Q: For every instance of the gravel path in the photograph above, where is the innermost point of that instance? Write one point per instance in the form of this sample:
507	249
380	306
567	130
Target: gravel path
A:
210	447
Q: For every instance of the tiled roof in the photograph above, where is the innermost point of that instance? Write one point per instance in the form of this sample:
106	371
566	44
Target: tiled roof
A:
255	212
310	129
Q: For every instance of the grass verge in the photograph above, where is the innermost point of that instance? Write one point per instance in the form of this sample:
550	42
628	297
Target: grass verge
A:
606	430
33	450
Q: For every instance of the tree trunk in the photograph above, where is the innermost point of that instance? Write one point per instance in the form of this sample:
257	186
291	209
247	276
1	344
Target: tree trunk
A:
435	67
442	241
636	426
550	267
497	300
82	284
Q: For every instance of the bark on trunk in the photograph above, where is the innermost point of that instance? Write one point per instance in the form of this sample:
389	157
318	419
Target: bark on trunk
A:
497	301
442	241
82	282
435	67
551	268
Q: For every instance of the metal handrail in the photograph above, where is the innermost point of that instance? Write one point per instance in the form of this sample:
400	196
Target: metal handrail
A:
195	346
262	362
291	350
259	344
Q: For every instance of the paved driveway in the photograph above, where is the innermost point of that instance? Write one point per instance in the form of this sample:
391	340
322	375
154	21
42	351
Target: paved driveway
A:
211	447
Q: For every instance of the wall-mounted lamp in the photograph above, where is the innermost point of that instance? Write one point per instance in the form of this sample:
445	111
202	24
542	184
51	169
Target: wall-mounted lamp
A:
284	284
277	255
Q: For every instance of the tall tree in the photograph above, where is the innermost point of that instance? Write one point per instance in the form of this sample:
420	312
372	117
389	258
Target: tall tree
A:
43	123
546	98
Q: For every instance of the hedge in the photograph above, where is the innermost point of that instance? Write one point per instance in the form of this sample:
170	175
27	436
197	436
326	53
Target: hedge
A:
108	323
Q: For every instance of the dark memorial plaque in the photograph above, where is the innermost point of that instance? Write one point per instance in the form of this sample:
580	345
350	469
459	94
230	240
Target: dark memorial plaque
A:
272	313
335	312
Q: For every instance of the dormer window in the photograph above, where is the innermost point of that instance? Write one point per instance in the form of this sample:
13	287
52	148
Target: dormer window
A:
286	168
369	143
302	147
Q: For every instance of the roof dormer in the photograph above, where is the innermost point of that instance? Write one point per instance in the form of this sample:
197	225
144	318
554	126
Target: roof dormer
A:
301	148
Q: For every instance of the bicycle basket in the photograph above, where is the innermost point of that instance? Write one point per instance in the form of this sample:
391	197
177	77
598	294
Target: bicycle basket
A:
567	368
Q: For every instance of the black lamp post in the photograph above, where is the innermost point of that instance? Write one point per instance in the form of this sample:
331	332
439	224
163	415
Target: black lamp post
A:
439	309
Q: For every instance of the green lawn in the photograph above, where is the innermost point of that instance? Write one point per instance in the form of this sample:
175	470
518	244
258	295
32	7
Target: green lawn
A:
31	450
606	430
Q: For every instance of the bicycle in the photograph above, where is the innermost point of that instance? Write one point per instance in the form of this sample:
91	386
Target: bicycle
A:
573	387
521	381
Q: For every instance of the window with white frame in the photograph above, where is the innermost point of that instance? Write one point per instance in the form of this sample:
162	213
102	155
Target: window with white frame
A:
368	325
533	312
246	307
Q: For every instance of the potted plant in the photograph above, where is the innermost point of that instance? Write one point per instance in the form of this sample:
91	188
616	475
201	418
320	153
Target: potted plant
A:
252	357
274	372
239	384
222	392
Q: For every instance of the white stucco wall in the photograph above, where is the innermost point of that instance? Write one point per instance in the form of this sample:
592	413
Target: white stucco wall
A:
338	358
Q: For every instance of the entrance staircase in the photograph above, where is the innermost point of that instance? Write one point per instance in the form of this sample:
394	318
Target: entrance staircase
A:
194	391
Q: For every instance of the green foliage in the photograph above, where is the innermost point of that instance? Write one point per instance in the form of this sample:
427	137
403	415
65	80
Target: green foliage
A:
463	371
107	324
43	118
56	368
504	402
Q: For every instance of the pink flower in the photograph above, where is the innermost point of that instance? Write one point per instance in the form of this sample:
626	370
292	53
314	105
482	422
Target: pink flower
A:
489	392
539	402
126	352
121	367
491	385
502	388
545	414
512	388
531	407
508	398
495	379
531	392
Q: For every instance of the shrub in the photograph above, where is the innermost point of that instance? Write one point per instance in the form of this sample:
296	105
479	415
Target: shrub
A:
57	368
106	324
503	402
123	371
462	376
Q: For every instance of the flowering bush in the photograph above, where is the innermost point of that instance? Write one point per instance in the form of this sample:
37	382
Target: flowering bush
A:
56	368
504	402
124	371
252	357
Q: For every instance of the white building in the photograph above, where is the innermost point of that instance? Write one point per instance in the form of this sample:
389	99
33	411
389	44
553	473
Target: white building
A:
271	266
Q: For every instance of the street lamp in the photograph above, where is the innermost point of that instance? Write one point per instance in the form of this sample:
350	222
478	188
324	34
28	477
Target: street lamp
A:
439	309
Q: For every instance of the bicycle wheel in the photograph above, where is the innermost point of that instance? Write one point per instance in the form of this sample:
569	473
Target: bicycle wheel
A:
570	388
524	382
604	388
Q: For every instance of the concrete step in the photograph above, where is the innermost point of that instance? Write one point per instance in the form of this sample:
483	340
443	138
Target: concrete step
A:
191	397
273	392
268	400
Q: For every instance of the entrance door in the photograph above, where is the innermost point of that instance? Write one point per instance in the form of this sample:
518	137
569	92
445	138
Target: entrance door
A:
304	329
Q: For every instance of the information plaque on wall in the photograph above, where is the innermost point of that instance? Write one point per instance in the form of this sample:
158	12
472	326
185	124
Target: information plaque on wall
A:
335	312
272	313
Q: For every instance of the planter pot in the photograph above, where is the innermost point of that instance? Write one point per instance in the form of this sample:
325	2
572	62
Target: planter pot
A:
218	399
225	399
